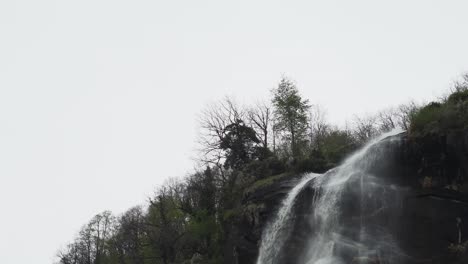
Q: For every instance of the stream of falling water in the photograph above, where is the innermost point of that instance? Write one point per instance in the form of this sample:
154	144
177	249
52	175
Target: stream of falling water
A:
277	231
332	239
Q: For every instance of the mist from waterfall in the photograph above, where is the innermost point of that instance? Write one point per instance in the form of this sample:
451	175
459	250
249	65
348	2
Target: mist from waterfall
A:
352	217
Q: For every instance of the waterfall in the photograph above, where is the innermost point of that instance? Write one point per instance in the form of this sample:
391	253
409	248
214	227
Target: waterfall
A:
277	231
359	232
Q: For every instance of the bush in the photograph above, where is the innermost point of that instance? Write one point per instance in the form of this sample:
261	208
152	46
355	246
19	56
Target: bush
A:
458	96
439	118
266	182
315	162
260	169
427	118
336	146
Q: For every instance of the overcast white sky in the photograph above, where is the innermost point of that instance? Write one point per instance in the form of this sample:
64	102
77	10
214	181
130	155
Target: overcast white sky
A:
98	99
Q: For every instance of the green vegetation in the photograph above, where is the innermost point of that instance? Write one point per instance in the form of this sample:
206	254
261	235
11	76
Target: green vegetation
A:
451	113
427	118
243	150
266	182
290	114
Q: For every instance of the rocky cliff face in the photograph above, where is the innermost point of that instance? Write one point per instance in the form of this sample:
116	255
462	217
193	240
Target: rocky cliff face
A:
431	223
259	206
435	210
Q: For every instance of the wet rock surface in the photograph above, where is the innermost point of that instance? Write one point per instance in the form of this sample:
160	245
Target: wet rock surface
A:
428	220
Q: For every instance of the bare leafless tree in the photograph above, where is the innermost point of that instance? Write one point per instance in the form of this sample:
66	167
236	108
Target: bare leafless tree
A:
387	120
212	122
405	113
365	128
259	117
128	242
318	126
91	244
461	84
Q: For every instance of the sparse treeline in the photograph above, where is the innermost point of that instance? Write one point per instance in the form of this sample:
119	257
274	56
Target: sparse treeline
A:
188	220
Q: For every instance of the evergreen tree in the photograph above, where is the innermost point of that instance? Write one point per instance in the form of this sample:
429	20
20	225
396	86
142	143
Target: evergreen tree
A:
290	113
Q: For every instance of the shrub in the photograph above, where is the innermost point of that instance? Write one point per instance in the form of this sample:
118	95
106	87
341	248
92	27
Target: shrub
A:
458	96
260	169
426	119
439	118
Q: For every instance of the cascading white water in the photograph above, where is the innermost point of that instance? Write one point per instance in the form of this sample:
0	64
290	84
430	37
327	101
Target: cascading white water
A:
277	231
334	239
331	233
